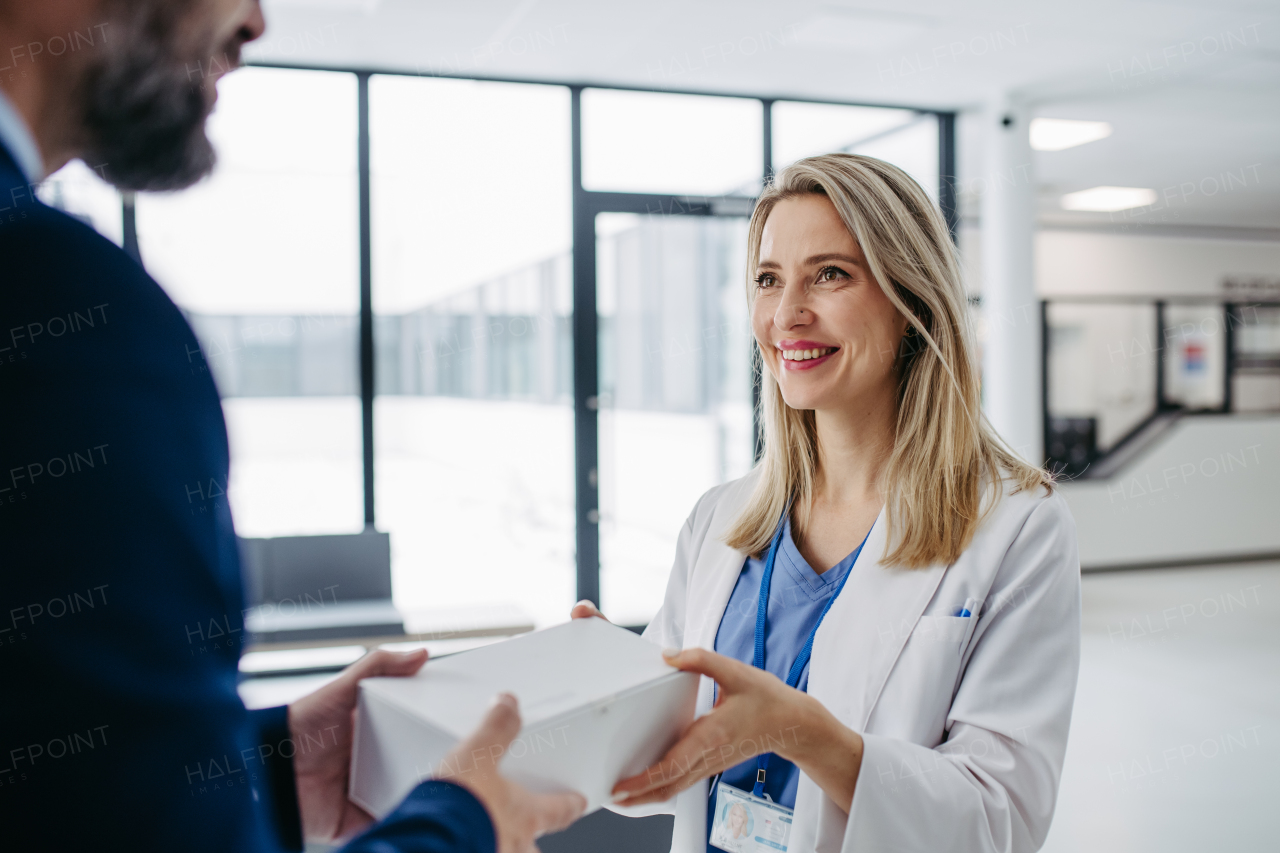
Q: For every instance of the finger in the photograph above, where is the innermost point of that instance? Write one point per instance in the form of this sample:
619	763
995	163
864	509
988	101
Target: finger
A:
664	774
696	757
659	795
354	819
685	759
586	609
499	727
704	749
730	674
554	812
384	662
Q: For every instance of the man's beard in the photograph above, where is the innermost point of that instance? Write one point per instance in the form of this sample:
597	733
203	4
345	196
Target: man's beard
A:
142	111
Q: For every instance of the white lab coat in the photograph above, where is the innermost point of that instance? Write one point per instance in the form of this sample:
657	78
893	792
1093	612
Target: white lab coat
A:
964	720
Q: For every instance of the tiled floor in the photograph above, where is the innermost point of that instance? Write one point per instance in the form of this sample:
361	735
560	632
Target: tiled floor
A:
1175	743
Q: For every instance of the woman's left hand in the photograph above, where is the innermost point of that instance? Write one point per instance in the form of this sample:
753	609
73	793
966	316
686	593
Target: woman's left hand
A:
754	713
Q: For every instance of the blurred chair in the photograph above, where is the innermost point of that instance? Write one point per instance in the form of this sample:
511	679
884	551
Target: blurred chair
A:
1072	445
300	589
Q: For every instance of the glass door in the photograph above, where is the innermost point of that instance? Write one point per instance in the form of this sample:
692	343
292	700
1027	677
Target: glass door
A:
674	389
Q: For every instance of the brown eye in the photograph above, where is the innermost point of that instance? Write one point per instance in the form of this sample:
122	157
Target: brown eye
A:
765	280
832	274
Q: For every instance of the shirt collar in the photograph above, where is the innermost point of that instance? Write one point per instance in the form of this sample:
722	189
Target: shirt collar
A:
17	139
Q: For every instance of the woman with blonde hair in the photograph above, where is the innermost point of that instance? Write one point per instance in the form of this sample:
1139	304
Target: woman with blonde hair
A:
886	610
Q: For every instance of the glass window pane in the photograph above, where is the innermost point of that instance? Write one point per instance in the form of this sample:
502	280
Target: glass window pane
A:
905	138
472	295
263	256
1256	383
653	142
78	190
912	148
675	390
1102	377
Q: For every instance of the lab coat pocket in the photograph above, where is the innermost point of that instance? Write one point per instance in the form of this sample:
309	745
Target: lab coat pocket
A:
947	631
924	677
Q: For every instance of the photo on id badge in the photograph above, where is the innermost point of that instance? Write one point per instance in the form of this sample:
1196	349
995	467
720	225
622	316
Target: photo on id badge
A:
747	824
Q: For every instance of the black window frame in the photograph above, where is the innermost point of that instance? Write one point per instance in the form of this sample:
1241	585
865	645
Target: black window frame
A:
586	204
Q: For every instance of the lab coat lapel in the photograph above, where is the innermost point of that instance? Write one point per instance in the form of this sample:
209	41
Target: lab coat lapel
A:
866	629
719	568
715	585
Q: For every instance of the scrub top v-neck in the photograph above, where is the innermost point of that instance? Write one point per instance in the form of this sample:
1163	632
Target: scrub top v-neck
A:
797	596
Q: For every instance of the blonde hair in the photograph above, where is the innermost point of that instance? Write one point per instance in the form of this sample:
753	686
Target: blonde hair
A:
946	458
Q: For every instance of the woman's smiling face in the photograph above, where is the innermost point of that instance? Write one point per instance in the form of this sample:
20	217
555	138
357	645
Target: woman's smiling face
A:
828	333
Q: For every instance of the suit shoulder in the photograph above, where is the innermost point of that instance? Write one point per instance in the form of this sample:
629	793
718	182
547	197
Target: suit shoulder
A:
54	262
51	242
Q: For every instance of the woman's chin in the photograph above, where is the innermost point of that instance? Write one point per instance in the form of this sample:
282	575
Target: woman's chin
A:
804	398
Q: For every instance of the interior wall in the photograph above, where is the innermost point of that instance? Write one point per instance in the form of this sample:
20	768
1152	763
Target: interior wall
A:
1082	263
1204	491
1090	263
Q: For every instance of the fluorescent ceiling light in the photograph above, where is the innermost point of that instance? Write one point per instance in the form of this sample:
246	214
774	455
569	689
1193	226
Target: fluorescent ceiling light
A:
1055	134
365	6
863	32
1108	199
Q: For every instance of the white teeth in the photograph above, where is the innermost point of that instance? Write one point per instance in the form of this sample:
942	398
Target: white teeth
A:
806	354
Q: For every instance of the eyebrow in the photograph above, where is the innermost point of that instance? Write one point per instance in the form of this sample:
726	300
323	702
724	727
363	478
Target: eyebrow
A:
813	260
831	256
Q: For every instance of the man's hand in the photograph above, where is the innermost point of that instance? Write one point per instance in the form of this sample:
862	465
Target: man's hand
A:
518	816
327	717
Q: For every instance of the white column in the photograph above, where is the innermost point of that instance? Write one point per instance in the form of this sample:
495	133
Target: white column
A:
1011	361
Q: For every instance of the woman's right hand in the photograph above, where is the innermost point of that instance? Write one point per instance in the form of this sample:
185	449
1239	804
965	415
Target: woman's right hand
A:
584	609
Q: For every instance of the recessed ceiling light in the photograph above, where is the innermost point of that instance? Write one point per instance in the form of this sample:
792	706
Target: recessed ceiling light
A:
869	32
1108	199
1055	134
366	6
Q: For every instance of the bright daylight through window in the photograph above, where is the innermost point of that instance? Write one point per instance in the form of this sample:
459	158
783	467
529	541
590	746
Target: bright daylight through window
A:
473	295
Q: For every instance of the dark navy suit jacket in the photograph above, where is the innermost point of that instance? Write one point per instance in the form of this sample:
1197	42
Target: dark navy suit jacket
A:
120	591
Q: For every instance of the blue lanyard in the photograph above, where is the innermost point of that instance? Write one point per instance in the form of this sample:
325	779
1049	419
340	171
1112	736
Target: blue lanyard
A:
802	659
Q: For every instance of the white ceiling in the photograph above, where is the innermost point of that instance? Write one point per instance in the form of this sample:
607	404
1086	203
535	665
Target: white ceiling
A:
1191	88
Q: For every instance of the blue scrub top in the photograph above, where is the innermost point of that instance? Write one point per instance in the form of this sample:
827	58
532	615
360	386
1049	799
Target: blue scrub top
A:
797	596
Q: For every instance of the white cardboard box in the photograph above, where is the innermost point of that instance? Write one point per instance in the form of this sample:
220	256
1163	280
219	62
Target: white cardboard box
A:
598	704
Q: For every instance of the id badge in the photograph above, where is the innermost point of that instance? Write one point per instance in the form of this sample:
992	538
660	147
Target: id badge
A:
745	823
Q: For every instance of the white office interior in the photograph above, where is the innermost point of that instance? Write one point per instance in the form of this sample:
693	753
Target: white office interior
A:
470	280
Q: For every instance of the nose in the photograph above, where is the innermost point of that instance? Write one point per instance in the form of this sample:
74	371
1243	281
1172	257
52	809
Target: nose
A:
254	24
793	309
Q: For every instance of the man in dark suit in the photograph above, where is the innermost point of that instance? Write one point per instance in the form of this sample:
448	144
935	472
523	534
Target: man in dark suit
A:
114	734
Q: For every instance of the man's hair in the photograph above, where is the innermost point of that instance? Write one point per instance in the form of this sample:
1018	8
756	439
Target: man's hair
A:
139	101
